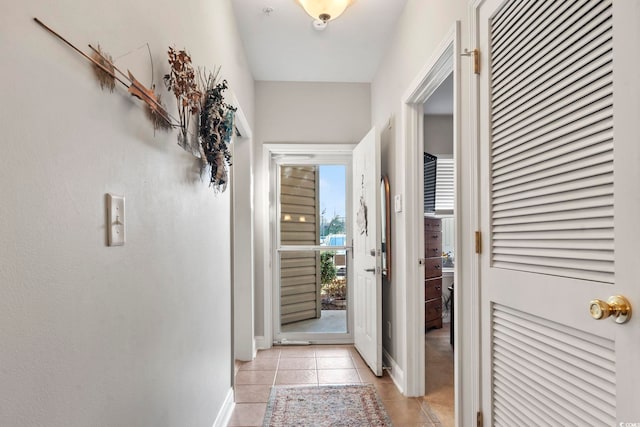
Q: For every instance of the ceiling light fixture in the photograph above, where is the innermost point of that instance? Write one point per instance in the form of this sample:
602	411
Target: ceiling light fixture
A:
324	11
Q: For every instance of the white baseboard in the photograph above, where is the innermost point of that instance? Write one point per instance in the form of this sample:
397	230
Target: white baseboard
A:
262	344
224	415
397	374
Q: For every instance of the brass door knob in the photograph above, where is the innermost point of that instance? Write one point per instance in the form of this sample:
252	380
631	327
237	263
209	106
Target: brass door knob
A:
617	307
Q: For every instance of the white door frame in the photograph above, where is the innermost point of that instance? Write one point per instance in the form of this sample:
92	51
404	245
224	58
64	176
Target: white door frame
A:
445	60
268	152
244	347
242	281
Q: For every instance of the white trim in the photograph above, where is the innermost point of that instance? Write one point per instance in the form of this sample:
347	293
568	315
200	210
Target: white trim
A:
242	245
267	221
396	373
224	415
473	336
261	344
436	70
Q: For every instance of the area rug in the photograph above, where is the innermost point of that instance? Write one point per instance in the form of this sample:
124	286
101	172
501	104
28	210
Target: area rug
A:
338	405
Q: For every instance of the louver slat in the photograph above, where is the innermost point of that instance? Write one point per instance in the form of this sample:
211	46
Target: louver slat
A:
542	55
542	363
552	140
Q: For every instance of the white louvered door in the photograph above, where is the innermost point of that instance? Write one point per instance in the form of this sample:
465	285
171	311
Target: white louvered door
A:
560	210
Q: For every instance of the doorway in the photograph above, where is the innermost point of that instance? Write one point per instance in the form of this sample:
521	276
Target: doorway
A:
310	202
445	62
439	249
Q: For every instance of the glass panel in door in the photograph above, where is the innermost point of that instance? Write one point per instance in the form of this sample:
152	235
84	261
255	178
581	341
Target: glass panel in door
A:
312	252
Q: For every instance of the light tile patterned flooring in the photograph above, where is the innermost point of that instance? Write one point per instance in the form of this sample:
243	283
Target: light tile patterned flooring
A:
317	365
439	375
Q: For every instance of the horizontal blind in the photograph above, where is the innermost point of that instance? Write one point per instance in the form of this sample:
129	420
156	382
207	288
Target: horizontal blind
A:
545	373
552	138
444	185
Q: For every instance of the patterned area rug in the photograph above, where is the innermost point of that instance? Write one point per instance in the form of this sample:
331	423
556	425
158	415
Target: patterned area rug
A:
339	405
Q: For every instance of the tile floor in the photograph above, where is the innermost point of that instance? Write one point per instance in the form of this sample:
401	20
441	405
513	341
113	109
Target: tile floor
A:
317	365
439	375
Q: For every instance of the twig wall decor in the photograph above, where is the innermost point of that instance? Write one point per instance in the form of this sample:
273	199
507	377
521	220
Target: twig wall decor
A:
109	70
202	101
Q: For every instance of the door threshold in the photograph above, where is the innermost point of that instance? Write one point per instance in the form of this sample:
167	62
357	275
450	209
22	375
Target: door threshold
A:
285	341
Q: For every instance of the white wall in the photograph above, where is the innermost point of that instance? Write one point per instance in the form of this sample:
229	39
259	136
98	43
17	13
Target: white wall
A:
94	335
438	134
422	27
300	113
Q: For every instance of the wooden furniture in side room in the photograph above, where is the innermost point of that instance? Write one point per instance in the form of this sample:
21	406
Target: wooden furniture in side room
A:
432	273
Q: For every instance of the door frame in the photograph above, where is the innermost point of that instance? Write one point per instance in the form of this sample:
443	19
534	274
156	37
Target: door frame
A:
445	60
432	74
270	153
242	288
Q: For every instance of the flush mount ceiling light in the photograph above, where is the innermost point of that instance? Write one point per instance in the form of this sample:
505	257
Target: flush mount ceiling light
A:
323	11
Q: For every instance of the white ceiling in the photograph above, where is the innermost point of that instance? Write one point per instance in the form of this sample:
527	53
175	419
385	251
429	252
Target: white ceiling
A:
284	46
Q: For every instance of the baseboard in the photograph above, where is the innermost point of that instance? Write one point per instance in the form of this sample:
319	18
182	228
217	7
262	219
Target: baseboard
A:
224	415
261	343
397	374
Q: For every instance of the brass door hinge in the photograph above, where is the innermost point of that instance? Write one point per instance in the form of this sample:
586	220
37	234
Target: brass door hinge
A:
478	242
479	420
475	53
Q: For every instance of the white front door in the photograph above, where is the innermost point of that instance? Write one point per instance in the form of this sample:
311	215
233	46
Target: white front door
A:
560	174
367	310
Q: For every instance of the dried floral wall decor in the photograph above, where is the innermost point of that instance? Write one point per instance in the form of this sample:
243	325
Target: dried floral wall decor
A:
181	80
203	101
107	74
200	104
107	79
216	130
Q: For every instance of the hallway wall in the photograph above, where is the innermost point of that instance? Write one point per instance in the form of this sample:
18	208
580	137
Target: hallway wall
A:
300	113
137	335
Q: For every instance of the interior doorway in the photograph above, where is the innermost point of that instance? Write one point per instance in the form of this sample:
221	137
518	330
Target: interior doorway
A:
444	62
439	249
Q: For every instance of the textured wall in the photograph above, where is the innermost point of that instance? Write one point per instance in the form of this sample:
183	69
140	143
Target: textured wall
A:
137	335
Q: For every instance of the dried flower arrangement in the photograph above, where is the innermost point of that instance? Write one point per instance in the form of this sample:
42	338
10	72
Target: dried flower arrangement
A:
216	130
181	80
215	117
205	102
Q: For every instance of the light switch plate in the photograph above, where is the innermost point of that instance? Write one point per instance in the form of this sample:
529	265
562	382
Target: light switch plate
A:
115	219
398	203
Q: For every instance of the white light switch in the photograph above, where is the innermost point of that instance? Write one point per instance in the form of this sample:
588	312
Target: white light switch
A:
398	203
115	219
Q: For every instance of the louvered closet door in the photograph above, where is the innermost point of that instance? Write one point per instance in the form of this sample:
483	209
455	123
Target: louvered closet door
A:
560	210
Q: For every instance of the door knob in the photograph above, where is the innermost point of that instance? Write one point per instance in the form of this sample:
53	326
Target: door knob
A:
616	306
370	270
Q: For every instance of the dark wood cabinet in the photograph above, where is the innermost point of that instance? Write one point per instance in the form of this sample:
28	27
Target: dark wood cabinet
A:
432	273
